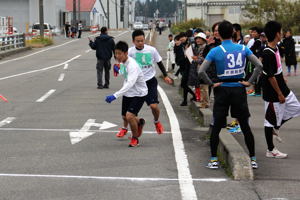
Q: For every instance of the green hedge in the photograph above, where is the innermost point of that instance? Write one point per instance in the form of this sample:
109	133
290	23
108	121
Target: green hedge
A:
184	26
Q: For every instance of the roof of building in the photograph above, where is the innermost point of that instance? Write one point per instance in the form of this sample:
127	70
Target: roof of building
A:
85	5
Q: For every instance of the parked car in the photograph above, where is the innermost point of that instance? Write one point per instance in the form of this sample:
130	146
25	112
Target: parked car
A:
137	26
145	26
15	30
35	30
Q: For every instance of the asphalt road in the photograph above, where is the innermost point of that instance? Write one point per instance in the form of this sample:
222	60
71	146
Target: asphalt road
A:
38	160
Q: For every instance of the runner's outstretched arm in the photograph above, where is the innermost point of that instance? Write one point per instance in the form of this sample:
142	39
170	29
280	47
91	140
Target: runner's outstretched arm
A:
162	68
257	70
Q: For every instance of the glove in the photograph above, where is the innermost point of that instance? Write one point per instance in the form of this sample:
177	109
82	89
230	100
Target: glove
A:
110	98
116	69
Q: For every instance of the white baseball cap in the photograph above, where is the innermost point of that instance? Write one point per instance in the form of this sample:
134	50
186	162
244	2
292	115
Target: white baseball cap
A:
201	35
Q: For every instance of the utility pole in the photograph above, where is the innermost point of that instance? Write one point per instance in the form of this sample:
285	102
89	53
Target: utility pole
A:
108	25
126	14
41	13
74	12
79	10
116	5
185	10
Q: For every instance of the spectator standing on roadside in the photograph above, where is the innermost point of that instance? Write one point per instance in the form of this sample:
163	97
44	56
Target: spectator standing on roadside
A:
104	46
213	42
67	29
74	31
200	50
79	29
170	53
237	34
160	26
289	52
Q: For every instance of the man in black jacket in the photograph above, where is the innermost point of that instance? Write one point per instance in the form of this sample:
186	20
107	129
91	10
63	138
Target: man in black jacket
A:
104	46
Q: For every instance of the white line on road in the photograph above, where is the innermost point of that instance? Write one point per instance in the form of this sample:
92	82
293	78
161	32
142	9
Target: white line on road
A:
19	58
38	70
43	98
61	77
7	121
87	51
66	66
187	188
41	51
121	34
71	130
138	179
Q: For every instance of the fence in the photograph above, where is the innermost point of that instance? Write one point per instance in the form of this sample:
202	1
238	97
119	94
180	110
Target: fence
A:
12	42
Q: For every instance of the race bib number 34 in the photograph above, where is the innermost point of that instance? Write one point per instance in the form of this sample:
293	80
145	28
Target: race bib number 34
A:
234	63
144	59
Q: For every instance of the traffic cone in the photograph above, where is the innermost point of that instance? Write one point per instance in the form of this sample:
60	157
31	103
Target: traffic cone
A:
3	98
198	94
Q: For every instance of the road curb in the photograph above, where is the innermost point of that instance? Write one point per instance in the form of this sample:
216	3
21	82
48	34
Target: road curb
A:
14	51
230	151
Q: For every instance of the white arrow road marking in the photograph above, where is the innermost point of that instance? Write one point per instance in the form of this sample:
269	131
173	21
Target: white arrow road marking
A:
61	77
84	132
7	121
43	98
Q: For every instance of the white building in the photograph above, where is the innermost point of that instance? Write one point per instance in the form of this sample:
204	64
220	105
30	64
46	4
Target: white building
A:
213	11
103	12
26	12
91	12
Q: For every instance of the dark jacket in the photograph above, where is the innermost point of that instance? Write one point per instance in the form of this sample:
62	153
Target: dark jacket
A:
289	51
212	70
256	47
200	52
180	57
104	46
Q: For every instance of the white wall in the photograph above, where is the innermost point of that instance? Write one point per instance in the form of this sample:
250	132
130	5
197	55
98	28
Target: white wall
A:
18	9
230	13
52	9
112	13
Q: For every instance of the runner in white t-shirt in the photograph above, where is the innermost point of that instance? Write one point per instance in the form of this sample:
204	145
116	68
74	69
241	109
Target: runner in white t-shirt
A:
134	91
146	56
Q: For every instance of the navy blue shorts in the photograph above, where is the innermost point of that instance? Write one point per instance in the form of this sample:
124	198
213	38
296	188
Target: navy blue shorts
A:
132	105
152	96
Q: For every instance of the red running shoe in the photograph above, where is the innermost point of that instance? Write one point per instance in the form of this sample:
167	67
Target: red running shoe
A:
159	128
140	127
134	142
122	133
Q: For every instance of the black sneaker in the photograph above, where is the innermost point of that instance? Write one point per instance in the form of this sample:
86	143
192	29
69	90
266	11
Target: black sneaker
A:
100	87
105	86
184	103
